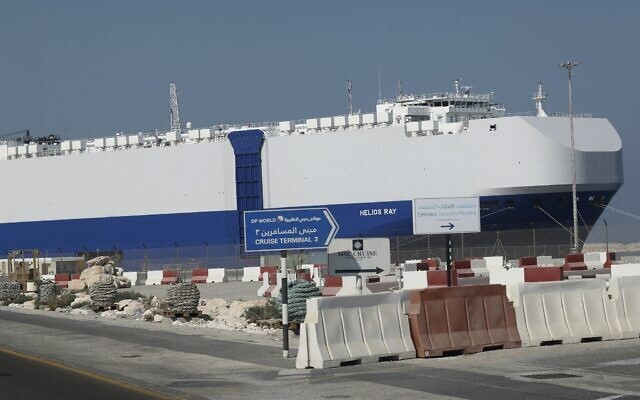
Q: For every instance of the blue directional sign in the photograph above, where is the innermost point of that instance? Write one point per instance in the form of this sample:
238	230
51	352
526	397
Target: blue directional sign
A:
288	229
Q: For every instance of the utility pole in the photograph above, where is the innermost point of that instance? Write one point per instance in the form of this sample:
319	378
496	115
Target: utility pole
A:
569	66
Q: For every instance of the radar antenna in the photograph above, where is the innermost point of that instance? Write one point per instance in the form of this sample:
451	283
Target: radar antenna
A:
539	97
456	87
399	90
349	97
174	113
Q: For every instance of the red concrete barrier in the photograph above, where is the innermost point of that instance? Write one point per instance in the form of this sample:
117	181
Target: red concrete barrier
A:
437	278
62	280
528	261
332	284
269	269
430	264
75	276
303	276
169	276
199	275
543	274
273	282
611	259
464	319
461	264
574	262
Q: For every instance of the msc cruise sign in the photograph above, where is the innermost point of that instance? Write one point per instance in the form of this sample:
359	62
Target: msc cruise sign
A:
446	215
289	229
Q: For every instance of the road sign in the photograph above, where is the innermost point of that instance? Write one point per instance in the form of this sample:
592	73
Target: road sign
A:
289	229
356	256
446	215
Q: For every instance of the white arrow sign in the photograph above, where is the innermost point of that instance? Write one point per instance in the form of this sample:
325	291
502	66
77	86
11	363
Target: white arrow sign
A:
446	215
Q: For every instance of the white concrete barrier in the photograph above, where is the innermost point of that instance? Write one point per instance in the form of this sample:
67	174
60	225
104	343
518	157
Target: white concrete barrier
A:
132	276
251	274
619	270
352	286
564	311
625	293
479	267
354	330
595	260
216	275
414	280
153	278
48	276
492	263
544	261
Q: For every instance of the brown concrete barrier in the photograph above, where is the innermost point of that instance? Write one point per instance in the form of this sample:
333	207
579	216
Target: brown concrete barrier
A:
462	320
574	262
543	274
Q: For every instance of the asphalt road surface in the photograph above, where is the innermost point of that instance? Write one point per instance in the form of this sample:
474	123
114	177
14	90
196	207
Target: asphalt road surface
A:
25	377
203	363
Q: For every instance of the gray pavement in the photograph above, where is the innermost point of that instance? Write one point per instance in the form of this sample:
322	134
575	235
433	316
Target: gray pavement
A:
212	364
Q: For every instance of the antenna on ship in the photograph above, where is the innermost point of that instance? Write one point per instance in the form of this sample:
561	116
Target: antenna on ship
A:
538	97
349	97
379	85
456	87
399	89
174	113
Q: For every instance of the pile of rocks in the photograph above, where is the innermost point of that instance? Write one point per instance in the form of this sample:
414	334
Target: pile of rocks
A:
99	269
183	298
9	290
103	293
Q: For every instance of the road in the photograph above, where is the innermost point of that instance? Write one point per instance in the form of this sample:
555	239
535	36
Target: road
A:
209	364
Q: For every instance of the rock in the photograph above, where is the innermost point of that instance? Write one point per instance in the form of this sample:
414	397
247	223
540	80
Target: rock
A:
9	290
212	307
80	311
31	295
94	274
122	282
158	318
77	285
31	304
134	309
47	289
100	261
123	303
156	302
111	314
81	299
148	315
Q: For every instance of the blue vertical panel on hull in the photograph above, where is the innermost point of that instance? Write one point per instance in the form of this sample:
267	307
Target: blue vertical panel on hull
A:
247	147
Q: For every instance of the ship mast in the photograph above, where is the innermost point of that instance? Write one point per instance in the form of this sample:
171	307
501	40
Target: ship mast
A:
539	97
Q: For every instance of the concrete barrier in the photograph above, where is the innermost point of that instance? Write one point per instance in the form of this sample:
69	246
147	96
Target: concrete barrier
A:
269	269
216	275
251	274
169	277
564	312
265	285
479	267
153	278
351	330
132	276
199	275
353	286
461	320
496	262
48	277
574	262
595	260
544	261
620	270
62	280
625	294
414	280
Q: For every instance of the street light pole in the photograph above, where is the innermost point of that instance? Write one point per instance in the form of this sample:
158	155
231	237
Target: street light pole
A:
569	66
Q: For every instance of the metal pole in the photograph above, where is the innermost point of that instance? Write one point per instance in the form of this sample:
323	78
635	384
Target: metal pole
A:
285	301
606	234
447	239
569	66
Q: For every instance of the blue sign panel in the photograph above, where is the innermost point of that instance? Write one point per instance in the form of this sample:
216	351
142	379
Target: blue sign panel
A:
288	229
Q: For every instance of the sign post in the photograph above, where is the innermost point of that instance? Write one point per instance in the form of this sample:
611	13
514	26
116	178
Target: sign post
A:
446	216
288	229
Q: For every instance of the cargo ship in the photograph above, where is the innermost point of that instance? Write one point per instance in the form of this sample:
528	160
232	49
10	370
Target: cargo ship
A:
186	188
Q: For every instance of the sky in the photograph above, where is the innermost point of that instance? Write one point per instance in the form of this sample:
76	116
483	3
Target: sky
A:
92	68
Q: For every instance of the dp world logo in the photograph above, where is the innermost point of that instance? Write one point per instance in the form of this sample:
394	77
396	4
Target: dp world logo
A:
357	245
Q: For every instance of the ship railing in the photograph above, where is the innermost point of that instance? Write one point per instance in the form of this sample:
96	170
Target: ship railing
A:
484	97
575	115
